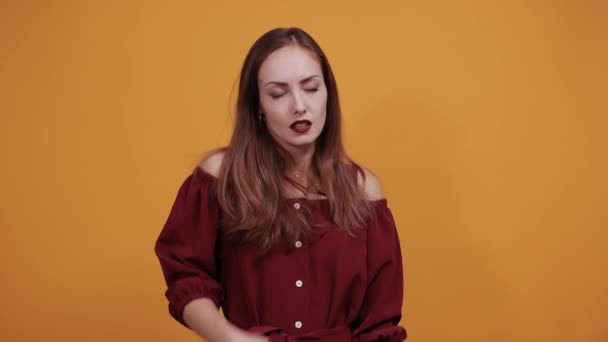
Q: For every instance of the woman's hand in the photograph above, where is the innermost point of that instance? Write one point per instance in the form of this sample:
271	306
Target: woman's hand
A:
202	316
238	335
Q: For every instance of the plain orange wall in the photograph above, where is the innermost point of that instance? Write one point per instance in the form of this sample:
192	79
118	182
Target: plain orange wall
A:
485	121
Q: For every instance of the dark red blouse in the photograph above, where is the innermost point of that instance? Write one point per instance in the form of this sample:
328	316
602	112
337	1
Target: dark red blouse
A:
332	287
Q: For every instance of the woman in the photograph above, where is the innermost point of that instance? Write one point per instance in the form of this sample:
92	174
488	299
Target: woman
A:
292	239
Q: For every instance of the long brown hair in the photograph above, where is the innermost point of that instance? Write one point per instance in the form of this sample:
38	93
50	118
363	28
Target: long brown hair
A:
250	182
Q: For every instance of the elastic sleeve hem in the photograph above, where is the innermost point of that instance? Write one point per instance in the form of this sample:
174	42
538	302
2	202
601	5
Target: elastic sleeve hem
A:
187	290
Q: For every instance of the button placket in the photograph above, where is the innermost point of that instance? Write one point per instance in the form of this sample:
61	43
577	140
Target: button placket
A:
299	283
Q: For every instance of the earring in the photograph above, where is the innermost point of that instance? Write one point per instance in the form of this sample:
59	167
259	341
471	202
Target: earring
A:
262	118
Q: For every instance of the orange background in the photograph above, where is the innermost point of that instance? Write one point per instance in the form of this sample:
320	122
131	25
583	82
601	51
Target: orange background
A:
485	121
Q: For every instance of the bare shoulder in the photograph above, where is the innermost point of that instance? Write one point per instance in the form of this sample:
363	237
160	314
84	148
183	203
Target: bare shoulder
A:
370	184
212	161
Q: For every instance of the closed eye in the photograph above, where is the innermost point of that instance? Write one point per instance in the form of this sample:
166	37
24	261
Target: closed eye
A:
312	90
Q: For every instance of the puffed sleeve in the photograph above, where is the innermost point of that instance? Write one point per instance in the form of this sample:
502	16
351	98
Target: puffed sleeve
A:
381	309
186	247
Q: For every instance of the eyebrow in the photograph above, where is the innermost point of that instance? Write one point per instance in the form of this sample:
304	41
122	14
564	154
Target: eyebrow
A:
283	84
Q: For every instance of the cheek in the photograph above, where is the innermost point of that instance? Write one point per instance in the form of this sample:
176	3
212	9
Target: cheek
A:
274	111
321	106
322	103
276	120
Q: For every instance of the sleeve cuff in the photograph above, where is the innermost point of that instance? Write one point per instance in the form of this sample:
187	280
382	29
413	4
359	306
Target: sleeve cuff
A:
186	290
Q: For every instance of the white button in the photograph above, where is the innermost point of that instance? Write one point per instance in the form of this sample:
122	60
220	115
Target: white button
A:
299	283
298	244
298	324
296	205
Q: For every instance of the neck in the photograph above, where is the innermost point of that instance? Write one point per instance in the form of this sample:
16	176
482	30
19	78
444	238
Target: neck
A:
301	160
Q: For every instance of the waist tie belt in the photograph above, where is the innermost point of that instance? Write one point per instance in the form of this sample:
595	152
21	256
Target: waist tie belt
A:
338	334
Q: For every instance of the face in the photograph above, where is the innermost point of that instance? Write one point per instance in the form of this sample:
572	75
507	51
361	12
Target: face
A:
293	97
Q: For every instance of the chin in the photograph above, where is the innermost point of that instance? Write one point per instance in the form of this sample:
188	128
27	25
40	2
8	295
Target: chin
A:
302	141
306	140
298	141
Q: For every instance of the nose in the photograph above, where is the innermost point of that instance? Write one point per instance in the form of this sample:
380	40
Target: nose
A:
299	106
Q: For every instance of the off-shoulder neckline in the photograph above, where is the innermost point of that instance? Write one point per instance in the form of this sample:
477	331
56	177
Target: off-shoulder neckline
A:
205	173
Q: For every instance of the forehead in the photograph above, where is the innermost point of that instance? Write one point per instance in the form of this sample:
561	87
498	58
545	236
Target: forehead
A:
289	64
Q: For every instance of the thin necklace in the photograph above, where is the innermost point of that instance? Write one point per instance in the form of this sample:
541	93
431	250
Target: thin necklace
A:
311	189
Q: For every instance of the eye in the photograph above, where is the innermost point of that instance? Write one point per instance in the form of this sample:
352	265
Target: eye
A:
275	95
312	90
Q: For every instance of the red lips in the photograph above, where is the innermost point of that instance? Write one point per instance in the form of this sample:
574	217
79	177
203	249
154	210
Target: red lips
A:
301	126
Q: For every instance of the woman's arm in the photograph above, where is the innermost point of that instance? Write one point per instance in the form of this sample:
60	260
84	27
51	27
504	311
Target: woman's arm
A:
201	315
381	310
